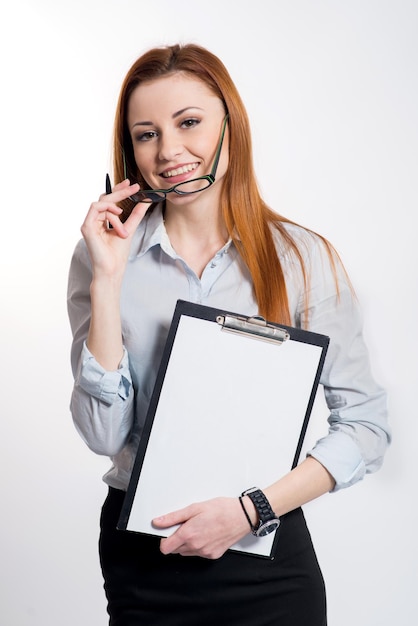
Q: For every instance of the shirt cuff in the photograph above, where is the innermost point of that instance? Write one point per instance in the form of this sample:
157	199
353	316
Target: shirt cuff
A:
102	384
341	456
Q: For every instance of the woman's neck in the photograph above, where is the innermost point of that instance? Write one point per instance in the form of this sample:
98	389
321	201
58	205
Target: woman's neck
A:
195	232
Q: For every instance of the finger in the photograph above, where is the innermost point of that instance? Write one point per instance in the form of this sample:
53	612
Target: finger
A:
185	542
174	517
102	212
103	216
136	216
115	226
173	544
121	191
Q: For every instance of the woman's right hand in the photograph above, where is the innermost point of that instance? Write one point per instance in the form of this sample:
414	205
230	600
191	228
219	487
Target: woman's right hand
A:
109	247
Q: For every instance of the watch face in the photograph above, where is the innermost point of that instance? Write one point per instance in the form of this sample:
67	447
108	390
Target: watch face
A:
268	527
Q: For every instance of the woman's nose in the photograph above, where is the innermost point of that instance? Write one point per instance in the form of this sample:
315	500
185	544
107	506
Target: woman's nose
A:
170	147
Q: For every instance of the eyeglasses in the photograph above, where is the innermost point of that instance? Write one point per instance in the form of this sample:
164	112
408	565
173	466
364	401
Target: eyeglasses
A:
188	187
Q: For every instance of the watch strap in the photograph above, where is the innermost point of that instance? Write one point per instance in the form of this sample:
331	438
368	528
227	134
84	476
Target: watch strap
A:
262	505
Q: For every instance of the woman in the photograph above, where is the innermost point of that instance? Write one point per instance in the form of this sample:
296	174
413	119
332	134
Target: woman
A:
206	236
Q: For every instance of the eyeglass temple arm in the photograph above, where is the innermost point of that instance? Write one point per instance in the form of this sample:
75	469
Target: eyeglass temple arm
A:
218	151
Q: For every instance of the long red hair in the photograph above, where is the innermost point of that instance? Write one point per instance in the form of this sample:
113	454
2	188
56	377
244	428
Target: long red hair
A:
248	219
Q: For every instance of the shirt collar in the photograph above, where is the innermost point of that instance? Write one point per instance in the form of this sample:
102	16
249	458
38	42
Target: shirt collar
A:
151	232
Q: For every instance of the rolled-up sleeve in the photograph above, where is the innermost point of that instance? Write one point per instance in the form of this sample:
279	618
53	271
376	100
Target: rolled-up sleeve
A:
358	433
103	385
101	401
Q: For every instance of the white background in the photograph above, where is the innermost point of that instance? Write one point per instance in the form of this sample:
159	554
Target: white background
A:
331	91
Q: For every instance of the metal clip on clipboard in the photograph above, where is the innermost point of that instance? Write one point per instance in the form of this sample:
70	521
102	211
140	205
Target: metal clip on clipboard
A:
255	327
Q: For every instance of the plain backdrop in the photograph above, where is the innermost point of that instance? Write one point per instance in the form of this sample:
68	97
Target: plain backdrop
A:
332	95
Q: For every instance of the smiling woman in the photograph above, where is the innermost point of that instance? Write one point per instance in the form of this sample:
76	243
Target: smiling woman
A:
184	183
174	142
203	233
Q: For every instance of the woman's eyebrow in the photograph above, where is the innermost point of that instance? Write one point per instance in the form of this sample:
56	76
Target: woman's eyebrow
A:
142	124
177	113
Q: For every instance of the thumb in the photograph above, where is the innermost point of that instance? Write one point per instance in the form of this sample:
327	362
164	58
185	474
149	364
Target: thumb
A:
136	217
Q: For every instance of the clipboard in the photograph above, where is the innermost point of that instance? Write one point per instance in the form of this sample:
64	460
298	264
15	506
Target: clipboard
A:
229	410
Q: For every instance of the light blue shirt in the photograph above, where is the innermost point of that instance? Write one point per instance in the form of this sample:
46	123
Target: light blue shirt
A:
109	408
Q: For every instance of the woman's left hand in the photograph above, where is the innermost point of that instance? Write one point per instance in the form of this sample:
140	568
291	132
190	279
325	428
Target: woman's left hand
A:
207	529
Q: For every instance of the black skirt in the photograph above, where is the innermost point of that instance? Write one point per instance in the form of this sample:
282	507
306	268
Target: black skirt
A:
146	588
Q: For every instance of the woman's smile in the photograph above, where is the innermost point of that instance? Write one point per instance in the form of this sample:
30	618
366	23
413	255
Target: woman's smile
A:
177	174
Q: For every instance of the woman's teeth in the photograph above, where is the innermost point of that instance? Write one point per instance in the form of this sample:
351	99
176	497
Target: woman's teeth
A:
180	170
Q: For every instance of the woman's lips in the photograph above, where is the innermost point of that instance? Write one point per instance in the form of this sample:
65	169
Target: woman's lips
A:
179	171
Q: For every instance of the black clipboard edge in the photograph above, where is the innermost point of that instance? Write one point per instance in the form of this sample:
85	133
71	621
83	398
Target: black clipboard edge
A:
149	420
184	307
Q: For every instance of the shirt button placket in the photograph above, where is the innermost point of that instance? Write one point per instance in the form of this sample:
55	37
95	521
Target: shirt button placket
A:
195	287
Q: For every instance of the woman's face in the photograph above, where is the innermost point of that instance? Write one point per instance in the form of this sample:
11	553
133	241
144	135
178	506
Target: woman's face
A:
175	124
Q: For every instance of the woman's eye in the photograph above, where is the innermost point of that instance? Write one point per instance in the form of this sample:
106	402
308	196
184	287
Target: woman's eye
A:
189	123
147	136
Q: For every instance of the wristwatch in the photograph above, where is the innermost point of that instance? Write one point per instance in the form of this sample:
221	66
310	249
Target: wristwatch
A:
268	521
